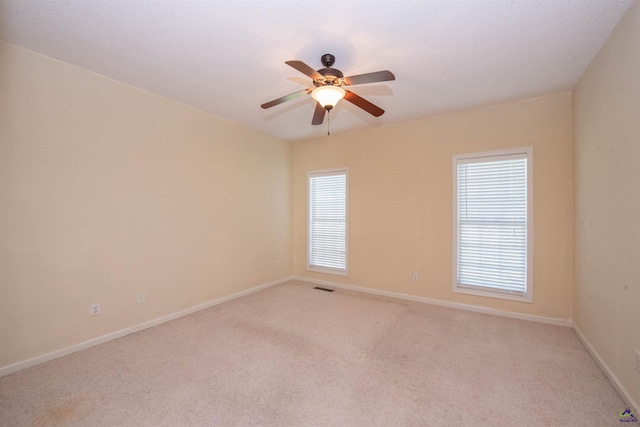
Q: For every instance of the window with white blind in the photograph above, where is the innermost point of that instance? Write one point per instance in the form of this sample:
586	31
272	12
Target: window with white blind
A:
328	221
493	224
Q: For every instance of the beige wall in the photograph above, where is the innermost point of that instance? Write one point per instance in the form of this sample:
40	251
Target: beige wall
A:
107	190
400	200
607	176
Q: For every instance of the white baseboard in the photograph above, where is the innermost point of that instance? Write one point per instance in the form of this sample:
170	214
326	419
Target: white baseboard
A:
613	379
18	366
460	306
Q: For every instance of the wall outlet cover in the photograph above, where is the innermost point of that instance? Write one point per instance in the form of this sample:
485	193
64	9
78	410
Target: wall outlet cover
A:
94	309
141	297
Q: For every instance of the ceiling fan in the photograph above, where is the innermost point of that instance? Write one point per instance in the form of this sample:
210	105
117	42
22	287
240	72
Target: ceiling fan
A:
329	90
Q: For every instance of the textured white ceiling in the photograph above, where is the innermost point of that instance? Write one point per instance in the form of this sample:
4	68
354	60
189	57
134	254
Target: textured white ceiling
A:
227	57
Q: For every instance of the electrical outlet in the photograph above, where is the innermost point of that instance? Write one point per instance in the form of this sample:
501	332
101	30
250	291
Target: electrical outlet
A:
94	309
638	361
416	277
141	297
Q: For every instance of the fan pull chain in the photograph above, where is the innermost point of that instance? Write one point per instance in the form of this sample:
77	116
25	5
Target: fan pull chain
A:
328	122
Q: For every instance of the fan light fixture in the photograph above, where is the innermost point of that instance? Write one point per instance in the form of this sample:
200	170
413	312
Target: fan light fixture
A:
328	96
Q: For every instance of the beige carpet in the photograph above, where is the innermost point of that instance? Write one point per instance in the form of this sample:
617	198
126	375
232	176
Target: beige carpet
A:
294	356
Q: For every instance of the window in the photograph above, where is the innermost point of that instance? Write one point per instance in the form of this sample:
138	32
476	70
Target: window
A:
493	224
328	221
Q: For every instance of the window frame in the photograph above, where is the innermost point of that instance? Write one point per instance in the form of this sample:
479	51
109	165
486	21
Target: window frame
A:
487	156
328	270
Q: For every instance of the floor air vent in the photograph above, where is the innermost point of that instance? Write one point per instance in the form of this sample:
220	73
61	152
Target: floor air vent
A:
324	289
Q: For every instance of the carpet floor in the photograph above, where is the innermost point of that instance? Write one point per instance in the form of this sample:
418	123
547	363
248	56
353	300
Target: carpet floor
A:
290	355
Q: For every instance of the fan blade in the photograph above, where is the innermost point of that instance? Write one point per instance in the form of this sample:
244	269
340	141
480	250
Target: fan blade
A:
286	98
305	69
318	115
378	76
363	103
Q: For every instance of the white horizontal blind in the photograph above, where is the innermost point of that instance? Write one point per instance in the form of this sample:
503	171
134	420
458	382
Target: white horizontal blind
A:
492	223
328	221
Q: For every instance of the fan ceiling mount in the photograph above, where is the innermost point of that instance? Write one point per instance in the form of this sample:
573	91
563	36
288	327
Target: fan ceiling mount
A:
329	89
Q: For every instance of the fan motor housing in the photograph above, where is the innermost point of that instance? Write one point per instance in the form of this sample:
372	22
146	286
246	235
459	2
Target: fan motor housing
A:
331	76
